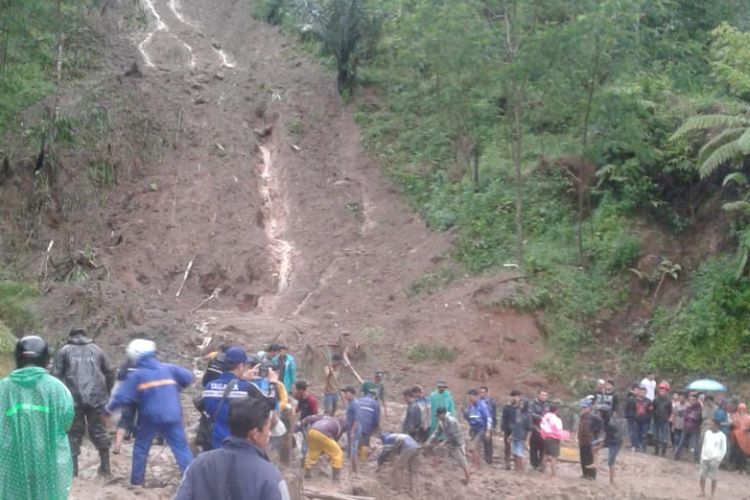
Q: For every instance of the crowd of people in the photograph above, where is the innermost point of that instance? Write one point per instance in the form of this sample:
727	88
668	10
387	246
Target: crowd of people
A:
252	403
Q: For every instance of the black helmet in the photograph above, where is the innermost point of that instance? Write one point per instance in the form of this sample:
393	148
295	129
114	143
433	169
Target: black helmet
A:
32	350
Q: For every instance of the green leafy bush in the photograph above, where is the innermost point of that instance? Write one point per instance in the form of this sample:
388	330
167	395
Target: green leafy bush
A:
14	310
710	334
270	11
7	348
424	353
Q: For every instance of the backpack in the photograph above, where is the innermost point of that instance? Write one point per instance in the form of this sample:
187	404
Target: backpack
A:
425	415
204	436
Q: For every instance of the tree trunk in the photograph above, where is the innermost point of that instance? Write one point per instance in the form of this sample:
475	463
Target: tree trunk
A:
516	128
591	87
516	154
475	153
6	7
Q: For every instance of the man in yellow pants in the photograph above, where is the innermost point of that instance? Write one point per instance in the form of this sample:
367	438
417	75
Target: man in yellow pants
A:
323	433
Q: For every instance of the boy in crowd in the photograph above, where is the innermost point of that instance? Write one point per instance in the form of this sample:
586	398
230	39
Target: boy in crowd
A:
713	451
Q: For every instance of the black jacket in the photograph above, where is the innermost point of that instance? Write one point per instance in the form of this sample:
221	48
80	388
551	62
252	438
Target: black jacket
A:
508	418
662	408
413	420
237	471
537	409
607	402
492	406
85	370
214	369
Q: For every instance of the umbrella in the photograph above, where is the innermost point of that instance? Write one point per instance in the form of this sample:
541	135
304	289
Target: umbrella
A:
706	384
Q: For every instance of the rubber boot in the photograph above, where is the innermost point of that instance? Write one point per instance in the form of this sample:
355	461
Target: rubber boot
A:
104	469
75	465
308	473
336	475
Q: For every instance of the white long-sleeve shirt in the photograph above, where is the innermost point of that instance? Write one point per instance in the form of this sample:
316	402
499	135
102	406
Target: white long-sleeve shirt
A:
714	446
650	386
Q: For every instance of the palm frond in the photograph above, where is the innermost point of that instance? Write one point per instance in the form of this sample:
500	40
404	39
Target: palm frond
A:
744	141
726	135
730	151
704	122
735	177
737	206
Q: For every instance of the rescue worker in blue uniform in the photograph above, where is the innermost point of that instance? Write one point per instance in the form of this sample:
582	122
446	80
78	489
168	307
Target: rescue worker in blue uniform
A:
155	387
218	393
366	422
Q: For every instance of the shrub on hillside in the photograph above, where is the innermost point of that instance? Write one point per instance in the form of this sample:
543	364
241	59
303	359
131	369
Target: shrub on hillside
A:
14	311
709	335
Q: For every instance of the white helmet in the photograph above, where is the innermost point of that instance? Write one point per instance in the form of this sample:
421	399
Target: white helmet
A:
139	347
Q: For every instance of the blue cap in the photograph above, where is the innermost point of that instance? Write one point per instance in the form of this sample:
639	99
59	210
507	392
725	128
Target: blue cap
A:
235	356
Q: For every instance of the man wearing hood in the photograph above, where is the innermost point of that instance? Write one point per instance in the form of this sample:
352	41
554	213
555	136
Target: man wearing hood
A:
155	387
85	370
36	411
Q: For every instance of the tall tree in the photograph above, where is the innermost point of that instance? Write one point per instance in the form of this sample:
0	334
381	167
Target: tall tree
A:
516	91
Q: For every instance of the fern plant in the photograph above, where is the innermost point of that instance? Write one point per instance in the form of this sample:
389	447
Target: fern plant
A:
728	139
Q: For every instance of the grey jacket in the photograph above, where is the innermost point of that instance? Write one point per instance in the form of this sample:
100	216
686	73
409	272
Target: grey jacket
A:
85	370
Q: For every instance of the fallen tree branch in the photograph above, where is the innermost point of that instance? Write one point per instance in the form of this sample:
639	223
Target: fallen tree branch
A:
185	277
46	260
205	301
331	495
349	365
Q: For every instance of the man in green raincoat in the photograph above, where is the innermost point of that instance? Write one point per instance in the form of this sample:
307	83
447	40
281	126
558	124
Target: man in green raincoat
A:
36	411
441	398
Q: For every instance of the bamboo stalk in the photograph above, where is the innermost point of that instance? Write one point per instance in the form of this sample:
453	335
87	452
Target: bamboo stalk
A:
185	277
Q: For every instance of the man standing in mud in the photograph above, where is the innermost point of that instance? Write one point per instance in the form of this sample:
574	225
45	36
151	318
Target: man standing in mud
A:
285	364
441	398
506	425
589	427
155	387
87	373
330	389
376	387
36	411
484	395
480	425
537	409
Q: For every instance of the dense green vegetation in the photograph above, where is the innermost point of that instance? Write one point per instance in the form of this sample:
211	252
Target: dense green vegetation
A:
14	311
33	36
541	132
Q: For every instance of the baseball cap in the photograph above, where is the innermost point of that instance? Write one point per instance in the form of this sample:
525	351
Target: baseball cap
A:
584	403
235	356
442	383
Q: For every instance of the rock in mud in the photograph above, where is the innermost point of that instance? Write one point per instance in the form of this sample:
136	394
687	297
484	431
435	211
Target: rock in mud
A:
134	71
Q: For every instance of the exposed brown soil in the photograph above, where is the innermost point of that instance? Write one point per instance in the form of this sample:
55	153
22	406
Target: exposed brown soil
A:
234	152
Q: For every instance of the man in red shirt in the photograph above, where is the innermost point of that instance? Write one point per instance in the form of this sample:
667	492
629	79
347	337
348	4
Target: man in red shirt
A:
307	405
